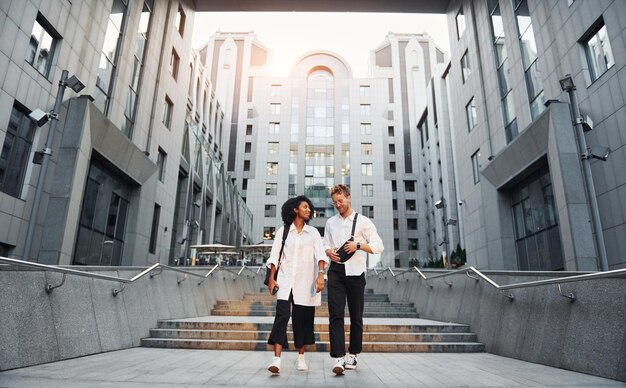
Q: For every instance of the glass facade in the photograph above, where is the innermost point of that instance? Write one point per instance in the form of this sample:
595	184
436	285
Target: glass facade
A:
319	169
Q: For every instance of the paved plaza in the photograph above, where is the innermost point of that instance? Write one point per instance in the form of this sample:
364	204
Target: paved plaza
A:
144	367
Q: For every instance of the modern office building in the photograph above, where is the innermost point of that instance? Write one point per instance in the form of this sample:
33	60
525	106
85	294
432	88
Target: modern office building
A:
135	173
519	170
320	126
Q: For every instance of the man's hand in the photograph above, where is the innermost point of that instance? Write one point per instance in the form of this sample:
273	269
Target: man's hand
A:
333	255
319	282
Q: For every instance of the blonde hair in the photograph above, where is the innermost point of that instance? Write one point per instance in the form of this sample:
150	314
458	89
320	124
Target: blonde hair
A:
340	189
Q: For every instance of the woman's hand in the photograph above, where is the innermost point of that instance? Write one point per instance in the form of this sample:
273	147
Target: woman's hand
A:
319	282
271	284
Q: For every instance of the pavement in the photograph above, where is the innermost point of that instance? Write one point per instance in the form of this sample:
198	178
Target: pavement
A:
150	367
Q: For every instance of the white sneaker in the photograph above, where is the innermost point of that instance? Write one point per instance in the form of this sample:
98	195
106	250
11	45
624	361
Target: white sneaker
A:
339	366
301	363
351	361
275	365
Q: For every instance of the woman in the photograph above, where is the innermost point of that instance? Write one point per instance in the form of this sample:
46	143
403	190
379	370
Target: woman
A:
300	279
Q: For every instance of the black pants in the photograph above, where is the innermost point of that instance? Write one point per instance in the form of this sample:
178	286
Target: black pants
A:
302	323
340	288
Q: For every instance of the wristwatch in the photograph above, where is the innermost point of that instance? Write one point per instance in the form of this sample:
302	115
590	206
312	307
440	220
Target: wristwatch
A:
322	271
358	246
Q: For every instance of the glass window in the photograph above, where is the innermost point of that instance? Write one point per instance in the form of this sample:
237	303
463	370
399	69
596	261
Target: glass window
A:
271	188
42	45
367	190
154	232
411	205
364	91
497	28
470	110
270	211
275	90
413	244
269	232
465	67
109	56
246	165
476	166
409	186
104	212
392	166
179	23
274	128
511	131
161	157
366	110
272	148
368	211
366	148
174	63
599	53
366	129
411	224
366	169
272	168
248	130
168	107
248	148
275	109
460	23
390	131
15	151
392	149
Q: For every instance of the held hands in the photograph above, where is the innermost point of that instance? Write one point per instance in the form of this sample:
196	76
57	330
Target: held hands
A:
319	282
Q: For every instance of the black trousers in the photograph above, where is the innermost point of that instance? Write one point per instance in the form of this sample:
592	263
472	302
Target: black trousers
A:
302	323
340	289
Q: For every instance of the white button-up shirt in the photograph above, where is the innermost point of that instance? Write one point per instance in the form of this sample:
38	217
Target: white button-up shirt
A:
339	229
299	265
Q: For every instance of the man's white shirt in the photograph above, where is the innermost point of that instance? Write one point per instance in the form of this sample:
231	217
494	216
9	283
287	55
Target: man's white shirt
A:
298	268
338	230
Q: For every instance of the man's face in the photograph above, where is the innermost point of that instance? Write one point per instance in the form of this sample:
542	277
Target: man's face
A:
341	202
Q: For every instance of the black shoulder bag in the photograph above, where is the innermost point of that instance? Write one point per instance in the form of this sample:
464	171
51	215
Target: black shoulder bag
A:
280	256
343	254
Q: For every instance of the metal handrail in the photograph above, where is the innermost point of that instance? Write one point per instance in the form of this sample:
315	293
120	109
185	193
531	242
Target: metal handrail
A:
66	271
535	283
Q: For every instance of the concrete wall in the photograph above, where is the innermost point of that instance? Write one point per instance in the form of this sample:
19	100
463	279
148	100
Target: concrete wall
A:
83	317
540	326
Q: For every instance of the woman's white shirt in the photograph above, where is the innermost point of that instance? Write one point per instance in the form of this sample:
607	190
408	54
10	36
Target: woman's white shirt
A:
299	265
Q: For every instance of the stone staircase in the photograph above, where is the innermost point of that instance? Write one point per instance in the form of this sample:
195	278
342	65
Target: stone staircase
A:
246	324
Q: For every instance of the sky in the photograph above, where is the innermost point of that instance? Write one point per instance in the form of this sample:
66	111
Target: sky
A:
289	35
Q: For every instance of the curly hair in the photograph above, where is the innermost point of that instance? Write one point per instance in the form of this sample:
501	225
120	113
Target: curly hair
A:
286	211
340	189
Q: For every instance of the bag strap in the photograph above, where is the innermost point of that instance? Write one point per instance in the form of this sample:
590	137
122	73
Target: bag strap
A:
354	225
282	246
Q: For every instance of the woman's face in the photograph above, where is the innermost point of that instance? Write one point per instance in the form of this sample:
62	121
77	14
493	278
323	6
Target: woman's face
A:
303	211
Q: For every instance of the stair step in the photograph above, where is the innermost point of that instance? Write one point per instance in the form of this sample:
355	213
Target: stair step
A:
318	327
263	335
379	347
270	313
246	324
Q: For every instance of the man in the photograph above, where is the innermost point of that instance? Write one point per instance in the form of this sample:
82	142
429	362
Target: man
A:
346	281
